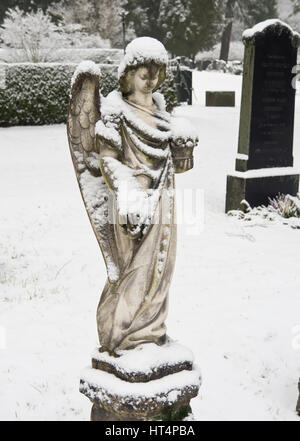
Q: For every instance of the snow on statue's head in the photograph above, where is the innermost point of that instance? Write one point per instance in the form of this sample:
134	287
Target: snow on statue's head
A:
143	52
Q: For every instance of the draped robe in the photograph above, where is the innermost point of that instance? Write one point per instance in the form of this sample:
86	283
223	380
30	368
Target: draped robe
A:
133	309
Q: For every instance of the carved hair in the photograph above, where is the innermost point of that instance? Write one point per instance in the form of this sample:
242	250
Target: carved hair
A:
152	67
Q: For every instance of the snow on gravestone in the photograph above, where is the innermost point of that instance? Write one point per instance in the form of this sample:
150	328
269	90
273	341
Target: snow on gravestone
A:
264	164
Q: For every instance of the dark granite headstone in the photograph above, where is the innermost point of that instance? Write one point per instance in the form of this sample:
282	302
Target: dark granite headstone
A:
184	85
267	117
220	99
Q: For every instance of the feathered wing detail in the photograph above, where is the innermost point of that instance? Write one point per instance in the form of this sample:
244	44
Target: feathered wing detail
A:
83	113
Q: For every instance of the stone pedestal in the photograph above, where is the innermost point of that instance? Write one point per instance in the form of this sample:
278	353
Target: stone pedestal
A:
257	186
149	383
298	404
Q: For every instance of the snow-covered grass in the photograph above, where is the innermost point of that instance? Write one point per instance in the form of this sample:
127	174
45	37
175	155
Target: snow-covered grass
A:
214	81
234	298
283	209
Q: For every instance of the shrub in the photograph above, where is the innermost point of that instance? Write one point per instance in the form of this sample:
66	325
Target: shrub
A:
283	209
68	55
285	205
34	37
168	89
31	35
38	93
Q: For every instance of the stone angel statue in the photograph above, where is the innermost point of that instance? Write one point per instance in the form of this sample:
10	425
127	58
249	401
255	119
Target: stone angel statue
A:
125	152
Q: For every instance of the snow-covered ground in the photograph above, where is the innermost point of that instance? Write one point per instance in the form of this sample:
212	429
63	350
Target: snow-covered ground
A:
234	298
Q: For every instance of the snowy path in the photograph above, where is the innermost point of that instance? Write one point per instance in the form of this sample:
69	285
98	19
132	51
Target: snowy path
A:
234	299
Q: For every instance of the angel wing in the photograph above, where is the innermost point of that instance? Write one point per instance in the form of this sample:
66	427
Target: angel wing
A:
83	113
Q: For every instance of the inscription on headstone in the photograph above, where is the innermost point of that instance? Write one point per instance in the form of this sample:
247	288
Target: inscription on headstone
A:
273	103
267	116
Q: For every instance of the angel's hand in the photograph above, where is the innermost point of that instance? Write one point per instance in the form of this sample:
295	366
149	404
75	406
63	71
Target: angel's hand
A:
134	226
135	219
133	231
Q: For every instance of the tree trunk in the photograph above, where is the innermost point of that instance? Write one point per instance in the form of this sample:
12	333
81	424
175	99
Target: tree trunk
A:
225	44
226	37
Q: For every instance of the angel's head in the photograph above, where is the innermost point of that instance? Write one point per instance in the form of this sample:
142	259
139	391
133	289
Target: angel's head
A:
144	66
143	78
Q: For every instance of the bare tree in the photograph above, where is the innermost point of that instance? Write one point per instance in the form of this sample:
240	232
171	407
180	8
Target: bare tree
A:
32	36
102	17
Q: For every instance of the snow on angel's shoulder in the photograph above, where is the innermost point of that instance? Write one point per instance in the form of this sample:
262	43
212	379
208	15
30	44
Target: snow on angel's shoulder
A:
160	101
88	67
112	107
108	127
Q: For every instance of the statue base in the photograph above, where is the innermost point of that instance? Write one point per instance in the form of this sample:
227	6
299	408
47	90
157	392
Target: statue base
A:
256	186
148	383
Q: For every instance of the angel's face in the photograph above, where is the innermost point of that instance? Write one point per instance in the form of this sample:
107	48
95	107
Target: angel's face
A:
144	80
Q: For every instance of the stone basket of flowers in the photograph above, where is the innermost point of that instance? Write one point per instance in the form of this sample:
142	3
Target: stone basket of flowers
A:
183	155
182	144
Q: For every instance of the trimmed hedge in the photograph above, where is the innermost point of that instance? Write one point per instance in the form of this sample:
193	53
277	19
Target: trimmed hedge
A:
36	94
69	55
169	90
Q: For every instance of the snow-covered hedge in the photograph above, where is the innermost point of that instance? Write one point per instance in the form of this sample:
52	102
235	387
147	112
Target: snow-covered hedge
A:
71	55
38	93
169	90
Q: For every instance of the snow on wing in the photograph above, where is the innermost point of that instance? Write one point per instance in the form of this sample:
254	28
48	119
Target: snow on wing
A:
83	113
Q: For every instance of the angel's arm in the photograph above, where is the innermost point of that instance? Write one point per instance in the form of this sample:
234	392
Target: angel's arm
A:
108	152
126	188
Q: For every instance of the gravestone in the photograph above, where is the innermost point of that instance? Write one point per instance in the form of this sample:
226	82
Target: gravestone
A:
264	164
184	83
220	99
